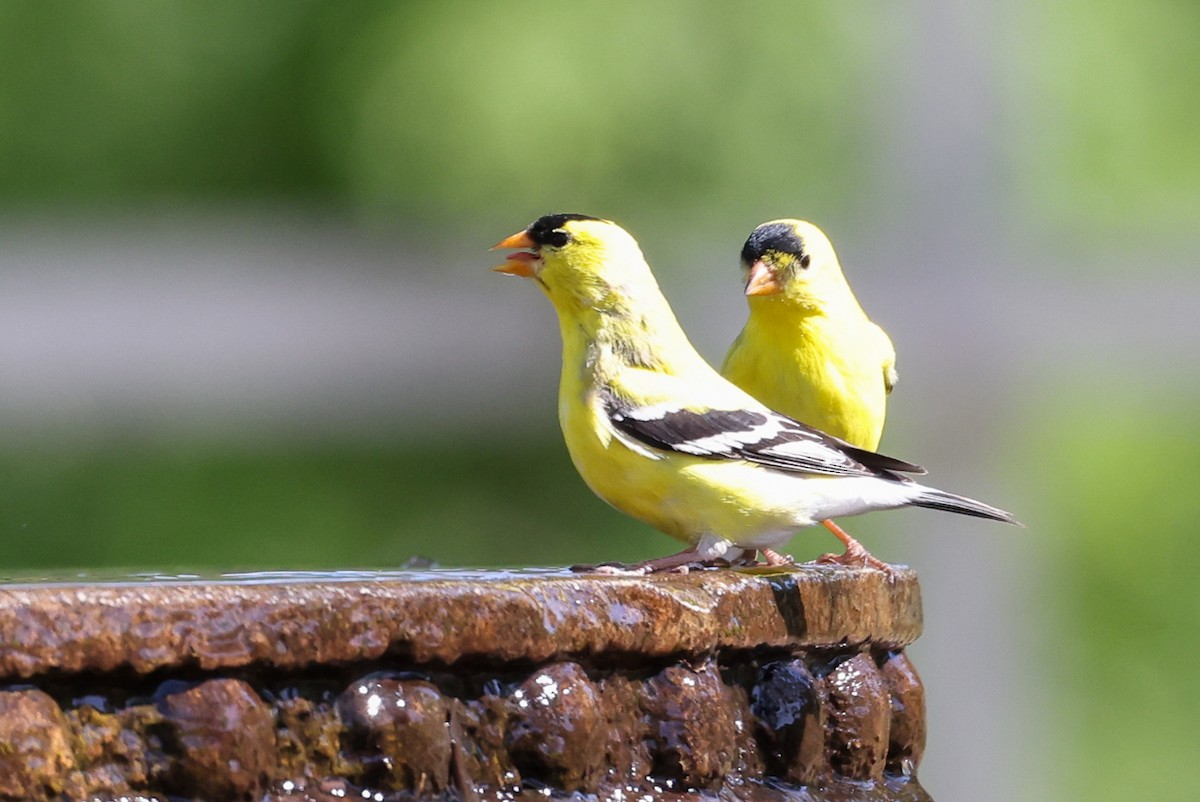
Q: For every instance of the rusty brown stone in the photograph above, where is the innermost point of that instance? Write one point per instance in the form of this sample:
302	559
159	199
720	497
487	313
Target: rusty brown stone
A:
626	744
748	760
222	738
906	734
35	746
531	617
478	738
745	684
859	713
110	748
399	727
308	738
788	708
691	726
138	753
556	728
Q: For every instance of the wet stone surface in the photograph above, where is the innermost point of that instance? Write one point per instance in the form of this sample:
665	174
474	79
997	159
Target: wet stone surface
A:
399	728
556	728
790	716
223	735
858	718
35	750
783	686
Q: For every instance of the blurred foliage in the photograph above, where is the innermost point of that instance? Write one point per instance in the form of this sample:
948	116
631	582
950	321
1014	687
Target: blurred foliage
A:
429	110
1103	116
126	505
126	101
436	109
169	505
447	109
610	107
1120	537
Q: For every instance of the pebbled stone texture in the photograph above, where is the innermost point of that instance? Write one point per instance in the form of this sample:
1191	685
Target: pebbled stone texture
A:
790	715
859	717
35	745
906	732
223	736
691	722
788	685
556	728
401	729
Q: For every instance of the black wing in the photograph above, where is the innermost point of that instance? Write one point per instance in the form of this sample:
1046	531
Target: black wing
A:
766	438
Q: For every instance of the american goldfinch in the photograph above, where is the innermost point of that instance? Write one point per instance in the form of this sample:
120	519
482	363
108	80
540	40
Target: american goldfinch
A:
661	436
808	350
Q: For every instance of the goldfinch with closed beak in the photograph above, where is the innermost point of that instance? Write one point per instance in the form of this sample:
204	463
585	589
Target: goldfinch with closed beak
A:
808	349
661	436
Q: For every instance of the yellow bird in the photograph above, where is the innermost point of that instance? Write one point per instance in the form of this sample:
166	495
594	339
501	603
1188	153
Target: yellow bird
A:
661	436
808	350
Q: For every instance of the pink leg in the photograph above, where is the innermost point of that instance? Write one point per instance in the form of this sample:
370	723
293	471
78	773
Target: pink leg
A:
856	555
677	562
775	558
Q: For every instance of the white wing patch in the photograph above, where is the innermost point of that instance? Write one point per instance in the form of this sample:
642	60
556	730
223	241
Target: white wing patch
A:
759	436
729	441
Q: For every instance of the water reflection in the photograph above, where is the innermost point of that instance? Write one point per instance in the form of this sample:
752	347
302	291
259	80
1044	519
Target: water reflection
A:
120	577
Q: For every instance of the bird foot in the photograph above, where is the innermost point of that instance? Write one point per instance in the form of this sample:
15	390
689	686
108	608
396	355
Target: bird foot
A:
682	563
857	558
609	569
686	568
773	557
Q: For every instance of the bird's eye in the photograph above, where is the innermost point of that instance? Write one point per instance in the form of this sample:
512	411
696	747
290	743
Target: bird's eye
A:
805	259
556	238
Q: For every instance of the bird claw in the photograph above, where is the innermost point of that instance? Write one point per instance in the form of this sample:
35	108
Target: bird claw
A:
647	568
774	558
857	559
695	565
609	569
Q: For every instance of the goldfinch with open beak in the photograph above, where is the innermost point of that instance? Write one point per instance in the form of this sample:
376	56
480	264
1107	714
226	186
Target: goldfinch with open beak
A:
661	436
808	350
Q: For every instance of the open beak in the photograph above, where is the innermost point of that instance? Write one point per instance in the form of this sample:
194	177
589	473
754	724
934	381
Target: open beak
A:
763	280
521	263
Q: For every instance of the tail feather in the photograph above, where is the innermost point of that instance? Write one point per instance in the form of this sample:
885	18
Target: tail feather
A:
941	500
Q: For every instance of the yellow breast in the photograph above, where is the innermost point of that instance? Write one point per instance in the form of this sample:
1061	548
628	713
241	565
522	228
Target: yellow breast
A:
826	373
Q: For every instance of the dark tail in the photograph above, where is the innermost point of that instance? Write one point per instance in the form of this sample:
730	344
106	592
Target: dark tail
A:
941	500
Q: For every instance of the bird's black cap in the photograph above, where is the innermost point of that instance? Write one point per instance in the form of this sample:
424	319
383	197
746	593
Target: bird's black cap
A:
778	237
545	230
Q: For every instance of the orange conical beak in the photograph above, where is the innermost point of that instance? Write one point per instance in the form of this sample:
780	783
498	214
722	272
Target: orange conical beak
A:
519	240
763	280
521	263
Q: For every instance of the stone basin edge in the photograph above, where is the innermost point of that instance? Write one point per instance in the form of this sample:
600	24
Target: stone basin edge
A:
442	617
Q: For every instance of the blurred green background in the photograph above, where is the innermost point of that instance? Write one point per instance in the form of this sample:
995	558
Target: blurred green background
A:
246	319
